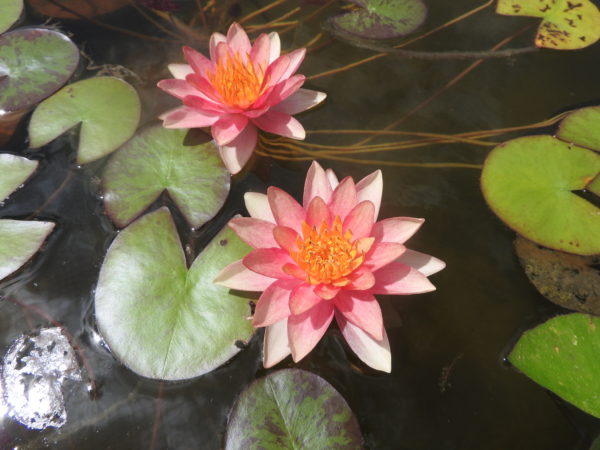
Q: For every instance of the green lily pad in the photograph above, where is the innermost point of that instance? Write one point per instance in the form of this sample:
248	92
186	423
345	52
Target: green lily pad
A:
571	281
155	160
160	319
528	183
14	170
582	127
107	108
594	185
292	409
34	63
381	19
10	11
567	24
562	355
19	239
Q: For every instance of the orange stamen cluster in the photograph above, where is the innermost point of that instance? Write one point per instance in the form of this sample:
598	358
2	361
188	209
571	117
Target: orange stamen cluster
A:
328	255
237	81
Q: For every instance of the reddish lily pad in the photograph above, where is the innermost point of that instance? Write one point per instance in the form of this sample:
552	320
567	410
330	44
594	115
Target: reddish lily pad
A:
562	355
566	24
530	184
571	281
156	160
381	19
75	9
34	63
107	108
10	11
292	409
160	319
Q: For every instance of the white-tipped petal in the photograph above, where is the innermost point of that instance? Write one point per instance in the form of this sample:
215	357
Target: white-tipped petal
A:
275	345
258	206
426	264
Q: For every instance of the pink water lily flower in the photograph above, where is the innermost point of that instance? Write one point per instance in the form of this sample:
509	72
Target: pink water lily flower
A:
326	258
240	89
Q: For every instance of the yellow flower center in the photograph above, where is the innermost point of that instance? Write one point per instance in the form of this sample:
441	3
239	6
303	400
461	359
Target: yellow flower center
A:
236	80
328	255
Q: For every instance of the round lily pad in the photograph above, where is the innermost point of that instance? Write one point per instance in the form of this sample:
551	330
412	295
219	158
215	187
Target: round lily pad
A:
571	281
160	319
34	63
155	160
292	409
529	182
566	24
107	108
381	19
14	170
10	11
582	127
75	9
562	355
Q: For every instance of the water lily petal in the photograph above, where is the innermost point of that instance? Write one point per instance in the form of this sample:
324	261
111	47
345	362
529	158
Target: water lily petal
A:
275	46
236	154
268	262
286	238
383	253
303	298
426	264
254	232
197	61
237	276
360	219
396	229
177	88
228	127
276	70
333	179
281	124
280	92
273	304
326	291
237	39
215	40
363	310
316	185
260	53
204	104
299	101
296	57
204	87
186	117
258	206
361	280
180	71
286	210
399	279
275	345
375	354
343	198
317	213
306	330
371	188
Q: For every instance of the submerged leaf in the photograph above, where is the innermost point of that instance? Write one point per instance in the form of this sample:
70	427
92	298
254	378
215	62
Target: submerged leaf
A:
567	24
160	319
529	183
14	170
107	108
381	19
292	409
75	9
562	355
10	11
33	371
155	160
571	281
34	62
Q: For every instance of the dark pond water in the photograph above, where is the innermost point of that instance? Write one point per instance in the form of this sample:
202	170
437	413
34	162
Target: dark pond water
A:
450	388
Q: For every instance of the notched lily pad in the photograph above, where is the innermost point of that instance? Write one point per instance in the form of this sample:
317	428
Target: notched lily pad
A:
562	355
107	108
582	127
10	11
292	409
566	24
571	281
34	63
14	170
381	19
160	319
33	371
155	160
530	183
